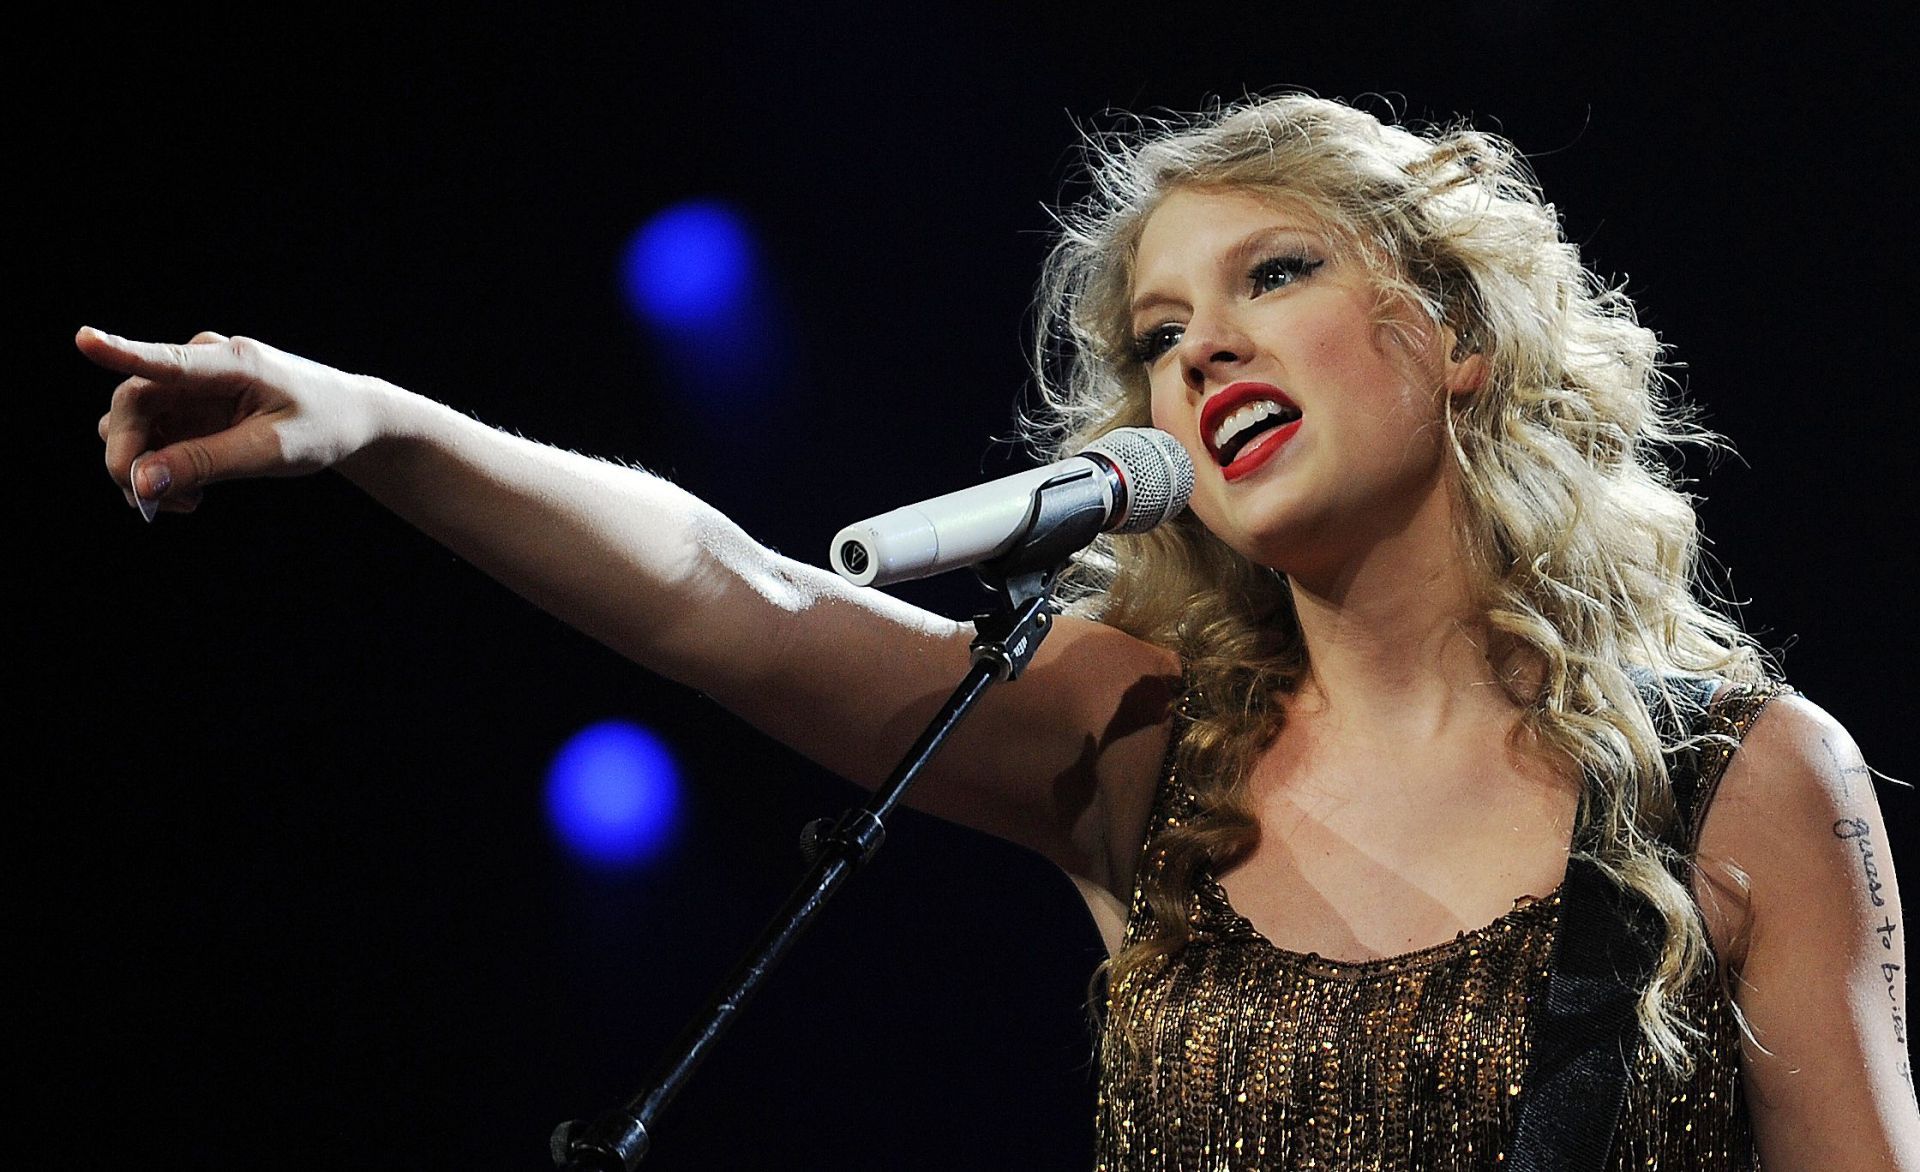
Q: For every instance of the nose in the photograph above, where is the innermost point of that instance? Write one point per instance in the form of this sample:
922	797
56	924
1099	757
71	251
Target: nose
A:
1213	350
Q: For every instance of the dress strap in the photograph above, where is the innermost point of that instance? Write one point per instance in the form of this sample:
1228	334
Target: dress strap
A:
1608	944
1576	1074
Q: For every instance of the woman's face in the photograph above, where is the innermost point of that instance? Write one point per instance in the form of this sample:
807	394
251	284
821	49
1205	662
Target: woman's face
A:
1315	430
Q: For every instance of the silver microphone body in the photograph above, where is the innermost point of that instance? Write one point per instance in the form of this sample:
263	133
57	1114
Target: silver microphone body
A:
1143	475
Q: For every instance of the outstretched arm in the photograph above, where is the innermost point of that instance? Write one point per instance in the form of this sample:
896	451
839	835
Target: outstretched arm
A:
1823	984
845	675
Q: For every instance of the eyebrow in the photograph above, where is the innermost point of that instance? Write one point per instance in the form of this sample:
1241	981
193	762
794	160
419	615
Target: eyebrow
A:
1250	248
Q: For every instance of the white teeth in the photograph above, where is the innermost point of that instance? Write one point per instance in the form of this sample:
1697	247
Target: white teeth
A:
1241	419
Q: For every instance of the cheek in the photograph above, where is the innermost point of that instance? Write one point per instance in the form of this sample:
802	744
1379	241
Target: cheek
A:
1171	413
1345	346
1160	409
1385	383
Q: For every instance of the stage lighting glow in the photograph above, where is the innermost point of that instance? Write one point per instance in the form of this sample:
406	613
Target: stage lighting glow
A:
612	793
690	266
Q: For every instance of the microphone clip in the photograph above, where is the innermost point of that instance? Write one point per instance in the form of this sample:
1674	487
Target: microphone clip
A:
1067	512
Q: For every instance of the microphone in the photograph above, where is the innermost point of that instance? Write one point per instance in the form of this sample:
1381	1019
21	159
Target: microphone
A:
1140	477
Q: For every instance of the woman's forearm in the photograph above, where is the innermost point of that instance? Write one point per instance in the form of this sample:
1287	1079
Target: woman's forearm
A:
625	556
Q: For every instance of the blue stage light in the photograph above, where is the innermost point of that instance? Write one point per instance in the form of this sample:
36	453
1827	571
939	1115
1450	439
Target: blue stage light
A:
691	266
612	794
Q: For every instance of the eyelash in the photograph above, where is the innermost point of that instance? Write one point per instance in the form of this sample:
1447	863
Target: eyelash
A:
1294	266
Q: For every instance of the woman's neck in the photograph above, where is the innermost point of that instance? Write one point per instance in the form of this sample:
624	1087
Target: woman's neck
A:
1396	644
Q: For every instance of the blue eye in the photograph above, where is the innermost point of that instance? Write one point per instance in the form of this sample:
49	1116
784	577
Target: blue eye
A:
1152	343
1277	272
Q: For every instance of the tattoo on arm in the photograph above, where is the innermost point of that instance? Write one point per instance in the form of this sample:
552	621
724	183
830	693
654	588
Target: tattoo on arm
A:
1858	832
1848	770
1856	829
1892	974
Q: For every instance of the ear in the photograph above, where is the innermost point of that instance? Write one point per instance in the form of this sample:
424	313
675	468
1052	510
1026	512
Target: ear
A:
1466	368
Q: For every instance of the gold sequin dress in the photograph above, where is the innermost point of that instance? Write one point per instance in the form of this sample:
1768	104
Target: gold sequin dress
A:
1261	1058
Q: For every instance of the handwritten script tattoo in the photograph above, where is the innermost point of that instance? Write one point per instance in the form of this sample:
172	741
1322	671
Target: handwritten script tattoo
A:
1857	830
1891	972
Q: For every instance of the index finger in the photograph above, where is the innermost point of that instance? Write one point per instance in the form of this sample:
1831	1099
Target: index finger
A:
155	360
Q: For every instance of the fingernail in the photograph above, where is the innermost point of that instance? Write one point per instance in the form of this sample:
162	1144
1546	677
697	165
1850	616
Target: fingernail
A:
158	481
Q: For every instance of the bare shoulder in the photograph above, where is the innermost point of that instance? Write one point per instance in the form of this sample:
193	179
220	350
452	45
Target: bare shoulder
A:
1063	759
1103	681
1797	751
1820	972
1796	785
1770	827
1086	642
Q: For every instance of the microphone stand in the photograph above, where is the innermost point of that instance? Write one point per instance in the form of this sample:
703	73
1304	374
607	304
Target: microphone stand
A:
1067	512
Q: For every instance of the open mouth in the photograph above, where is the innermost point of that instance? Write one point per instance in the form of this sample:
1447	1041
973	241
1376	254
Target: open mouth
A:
1247	424
1241	414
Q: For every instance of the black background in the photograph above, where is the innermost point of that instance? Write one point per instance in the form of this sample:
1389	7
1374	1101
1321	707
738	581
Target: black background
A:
283	884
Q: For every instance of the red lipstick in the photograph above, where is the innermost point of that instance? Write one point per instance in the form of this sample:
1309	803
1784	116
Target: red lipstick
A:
1262	447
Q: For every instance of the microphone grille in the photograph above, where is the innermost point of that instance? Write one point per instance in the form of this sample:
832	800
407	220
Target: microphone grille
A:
1157	470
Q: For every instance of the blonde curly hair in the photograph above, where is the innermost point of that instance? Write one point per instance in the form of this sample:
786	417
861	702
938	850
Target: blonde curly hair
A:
1583	552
